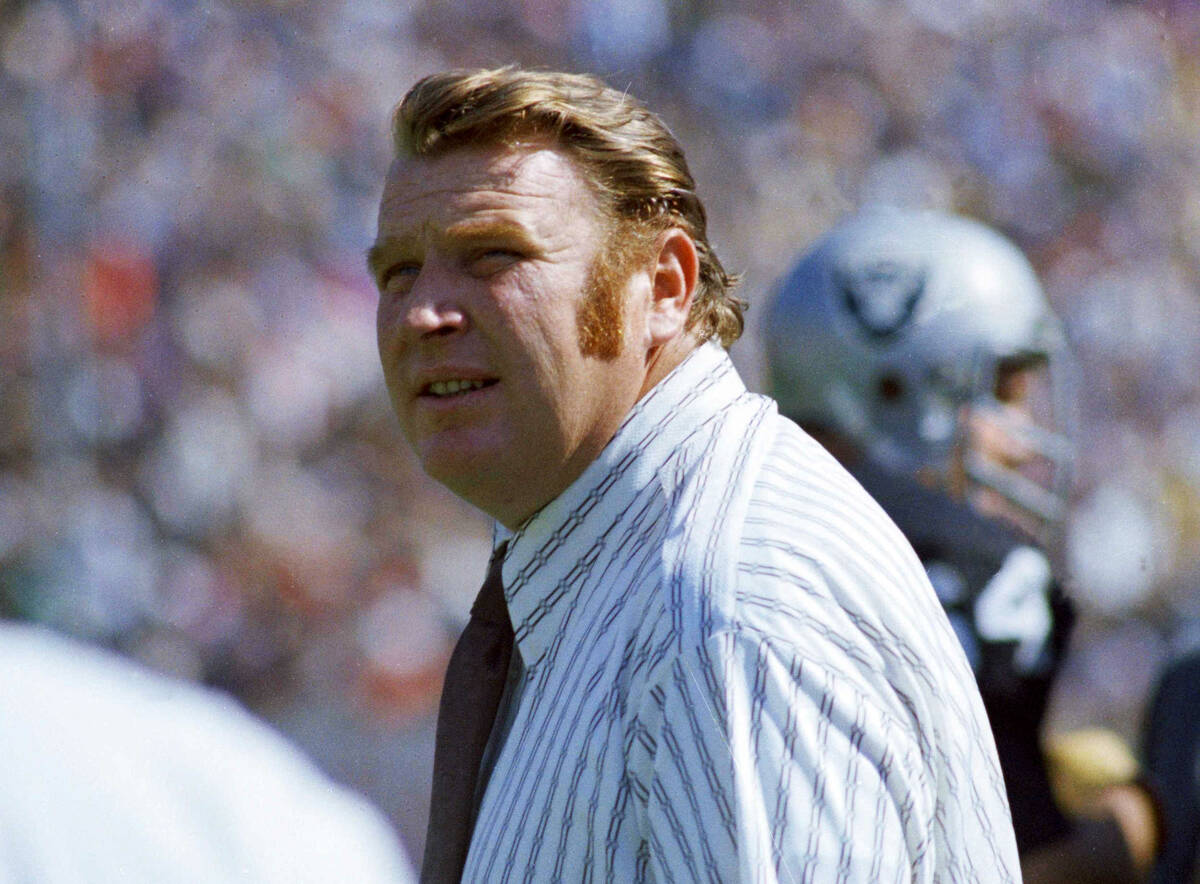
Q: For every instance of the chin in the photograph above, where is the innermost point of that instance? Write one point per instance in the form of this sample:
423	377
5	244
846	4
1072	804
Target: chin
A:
452	465
458	460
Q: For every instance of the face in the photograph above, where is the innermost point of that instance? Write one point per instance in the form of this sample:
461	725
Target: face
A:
483	260
1004	436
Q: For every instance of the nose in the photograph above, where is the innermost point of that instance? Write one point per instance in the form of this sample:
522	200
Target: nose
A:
434	319
430	308
996	434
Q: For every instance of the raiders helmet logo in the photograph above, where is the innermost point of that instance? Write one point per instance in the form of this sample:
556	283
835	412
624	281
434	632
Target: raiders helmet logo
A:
881	295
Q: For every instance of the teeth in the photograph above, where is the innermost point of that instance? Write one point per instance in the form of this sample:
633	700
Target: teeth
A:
450	388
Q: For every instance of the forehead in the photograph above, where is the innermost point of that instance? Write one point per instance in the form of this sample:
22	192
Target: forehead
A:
534	185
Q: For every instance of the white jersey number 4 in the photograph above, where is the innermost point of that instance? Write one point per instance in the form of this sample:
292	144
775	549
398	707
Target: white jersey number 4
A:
1015	606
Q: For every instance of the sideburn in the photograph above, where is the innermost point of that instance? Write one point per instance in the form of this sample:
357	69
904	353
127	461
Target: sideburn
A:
600	320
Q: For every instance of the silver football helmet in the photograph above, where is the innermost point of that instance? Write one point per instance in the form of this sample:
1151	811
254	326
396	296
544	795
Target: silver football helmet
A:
898	325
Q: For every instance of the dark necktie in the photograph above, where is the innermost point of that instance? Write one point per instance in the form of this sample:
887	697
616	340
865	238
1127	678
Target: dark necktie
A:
471	694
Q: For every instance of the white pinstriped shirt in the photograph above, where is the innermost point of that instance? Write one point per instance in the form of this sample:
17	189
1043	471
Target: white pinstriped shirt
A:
734	670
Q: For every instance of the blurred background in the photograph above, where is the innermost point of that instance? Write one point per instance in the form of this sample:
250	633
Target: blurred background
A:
198	464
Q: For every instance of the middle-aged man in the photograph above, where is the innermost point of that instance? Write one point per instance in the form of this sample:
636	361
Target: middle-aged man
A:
729	665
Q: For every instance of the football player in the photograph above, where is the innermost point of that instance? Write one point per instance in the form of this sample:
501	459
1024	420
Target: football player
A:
919	347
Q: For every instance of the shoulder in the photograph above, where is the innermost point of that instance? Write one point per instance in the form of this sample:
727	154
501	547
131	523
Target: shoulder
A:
98	694
142	762
821	564
767	501
803	551
809	487
806	514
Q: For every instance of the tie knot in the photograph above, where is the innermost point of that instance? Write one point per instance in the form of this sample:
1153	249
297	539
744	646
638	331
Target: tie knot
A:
490	605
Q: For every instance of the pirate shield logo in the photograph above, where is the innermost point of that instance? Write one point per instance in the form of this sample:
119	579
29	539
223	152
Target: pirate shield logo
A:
880	295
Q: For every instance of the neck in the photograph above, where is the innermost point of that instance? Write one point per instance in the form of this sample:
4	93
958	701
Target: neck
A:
661	361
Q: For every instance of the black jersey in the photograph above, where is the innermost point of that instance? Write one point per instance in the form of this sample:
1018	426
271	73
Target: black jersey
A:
1013	621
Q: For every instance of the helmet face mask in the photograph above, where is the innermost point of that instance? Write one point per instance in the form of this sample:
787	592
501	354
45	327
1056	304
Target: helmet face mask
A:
925	340
1015	458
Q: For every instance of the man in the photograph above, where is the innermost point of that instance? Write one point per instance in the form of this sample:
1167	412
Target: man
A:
728	664
920	348
112	773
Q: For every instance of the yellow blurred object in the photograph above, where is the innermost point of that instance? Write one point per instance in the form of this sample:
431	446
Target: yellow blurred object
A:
1085	762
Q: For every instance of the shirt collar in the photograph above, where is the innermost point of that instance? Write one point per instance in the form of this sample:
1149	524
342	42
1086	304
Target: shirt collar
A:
543	552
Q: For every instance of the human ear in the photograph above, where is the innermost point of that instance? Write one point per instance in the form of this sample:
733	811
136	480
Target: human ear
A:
676	270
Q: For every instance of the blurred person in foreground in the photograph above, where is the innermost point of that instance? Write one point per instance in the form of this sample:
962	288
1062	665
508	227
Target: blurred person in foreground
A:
110	772
728	663
919	348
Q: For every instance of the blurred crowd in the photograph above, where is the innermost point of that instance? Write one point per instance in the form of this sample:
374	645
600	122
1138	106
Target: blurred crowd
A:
198	464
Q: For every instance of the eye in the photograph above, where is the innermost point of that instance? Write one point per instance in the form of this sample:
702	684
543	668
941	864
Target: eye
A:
485	262
398	278
1015	378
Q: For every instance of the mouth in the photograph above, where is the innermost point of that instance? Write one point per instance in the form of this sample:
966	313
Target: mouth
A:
450	388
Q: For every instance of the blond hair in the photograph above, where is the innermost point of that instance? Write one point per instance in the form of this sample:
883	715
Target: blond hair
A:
625	152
